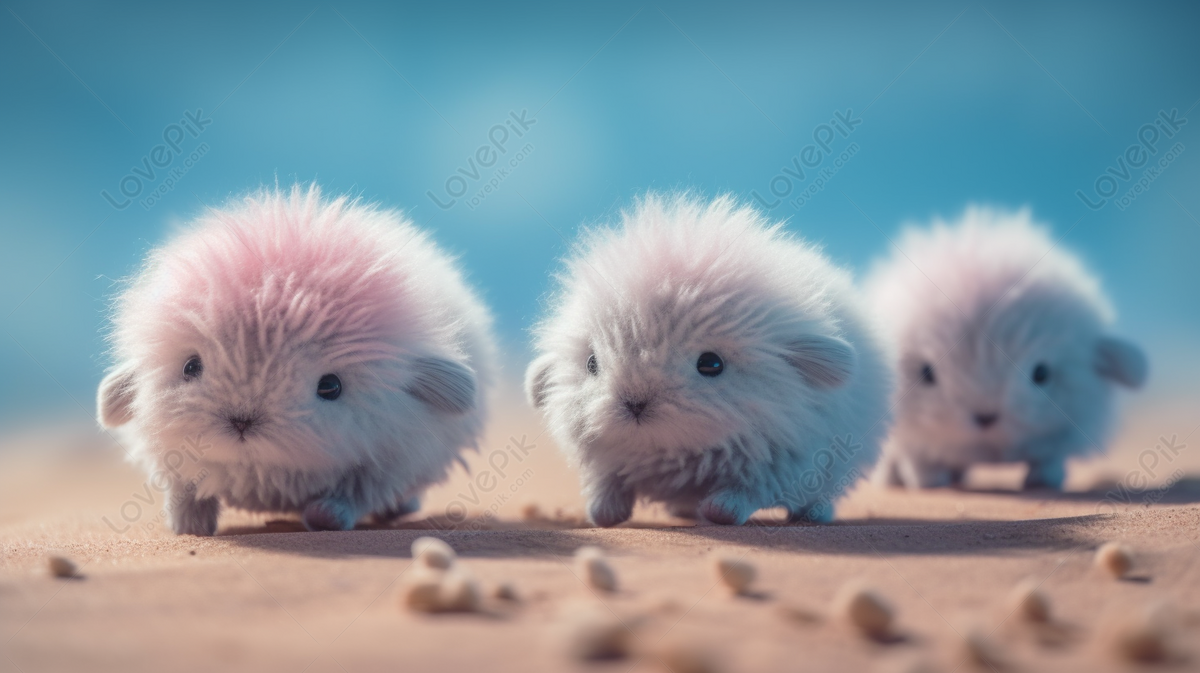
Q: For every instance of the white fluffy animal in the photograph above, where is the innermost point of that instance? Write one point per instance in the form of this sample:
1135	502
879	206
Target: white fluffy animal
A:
1001	343
291	353
699	356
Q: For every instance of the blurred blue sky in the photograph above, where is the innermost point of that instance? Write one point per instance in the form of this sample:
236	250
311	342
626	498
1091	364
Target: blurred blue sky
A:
1007	104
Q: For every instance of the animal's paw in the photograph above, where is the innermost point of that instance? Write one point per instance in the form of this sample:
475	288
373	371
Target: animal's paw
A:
728	508
401	508
1046	475
190	516
817	512
916	474
329	514
610	504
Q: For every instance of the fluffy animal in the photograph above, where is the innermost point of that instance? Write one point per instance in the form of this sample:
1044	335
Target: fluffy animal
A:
294	353
1001	343
699	356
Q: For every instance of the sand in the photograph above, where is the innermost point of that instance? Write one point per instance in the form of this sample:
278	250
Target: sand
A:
264	595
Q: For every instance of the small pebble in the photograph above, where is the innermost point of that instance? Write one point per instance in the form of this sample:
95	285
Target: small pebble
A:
981	651
595	635
1114	558
531	512
681	657
864	609
433	553
737	574
1142	638
459	592
505	591
594	569
1029	603
61	566
422	592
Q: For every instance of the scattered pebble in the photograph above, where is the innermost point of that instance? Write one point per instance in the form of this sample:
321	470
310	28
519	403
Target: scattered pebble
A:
981	651
433	553
1114	558
865	609
596	635
1029	603
736	573
1142	638
679	657
459	592
505	591
593	567
61	566
422	591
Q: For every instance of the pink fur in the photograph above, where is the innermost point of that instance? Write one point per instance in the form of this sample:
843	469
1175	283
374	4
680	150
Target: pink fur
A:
272	293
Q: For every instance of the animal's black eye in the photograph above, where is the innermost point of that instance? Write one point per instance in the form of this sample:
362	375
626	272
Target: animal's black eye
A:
927	374
710	364
593	366
1041	373
329	387
192	368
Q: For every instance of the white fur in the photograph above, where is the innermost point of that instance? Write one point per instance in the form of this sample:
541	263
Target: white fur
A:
983	302
272	293
798	410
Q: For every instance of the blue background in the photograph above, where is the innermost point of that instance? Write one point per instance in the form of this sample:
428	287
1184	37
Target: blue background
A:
997	103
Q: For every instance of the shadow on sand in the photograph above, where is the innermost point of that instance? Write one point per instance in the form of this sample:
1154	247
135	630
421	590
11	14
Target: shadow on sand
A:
544	537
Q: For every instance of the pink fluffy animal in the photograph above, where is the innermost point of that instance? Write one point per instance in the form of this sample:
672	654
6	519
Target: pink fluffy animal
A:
1002	341
699	356
294	353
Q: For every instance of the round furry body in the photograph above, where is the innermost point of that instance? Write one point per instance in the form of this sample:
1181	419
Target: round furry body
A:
1001	347
291	353
699	356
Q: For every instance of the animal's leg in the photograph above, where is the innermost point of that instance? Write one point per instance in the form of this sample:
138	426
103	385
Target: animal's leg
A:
191	515
397	510
1046	474
730	507
331	512
817	512
609	501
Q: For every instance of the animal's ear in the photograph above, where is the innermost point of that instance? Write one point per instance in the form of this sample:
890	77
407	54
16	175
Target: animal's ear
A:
825	362
537	379
443	384
1121	362
114	400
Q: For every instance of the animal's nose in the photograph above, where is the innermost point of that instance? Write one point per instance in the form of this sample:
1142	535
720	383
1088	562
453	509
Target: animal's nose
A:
985	420
241	424
636	407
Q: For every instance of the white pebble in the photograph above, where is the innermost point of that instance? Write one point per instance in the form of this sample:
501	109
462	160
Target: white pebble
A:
1029	603
736	573
459	592
595	635
61	566
422	591
865	609
433	553
594	569
1114	558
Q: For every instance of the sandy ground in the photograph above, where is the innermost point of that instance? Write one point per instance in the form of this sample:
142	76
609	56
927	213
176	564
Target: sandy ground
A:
263	595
